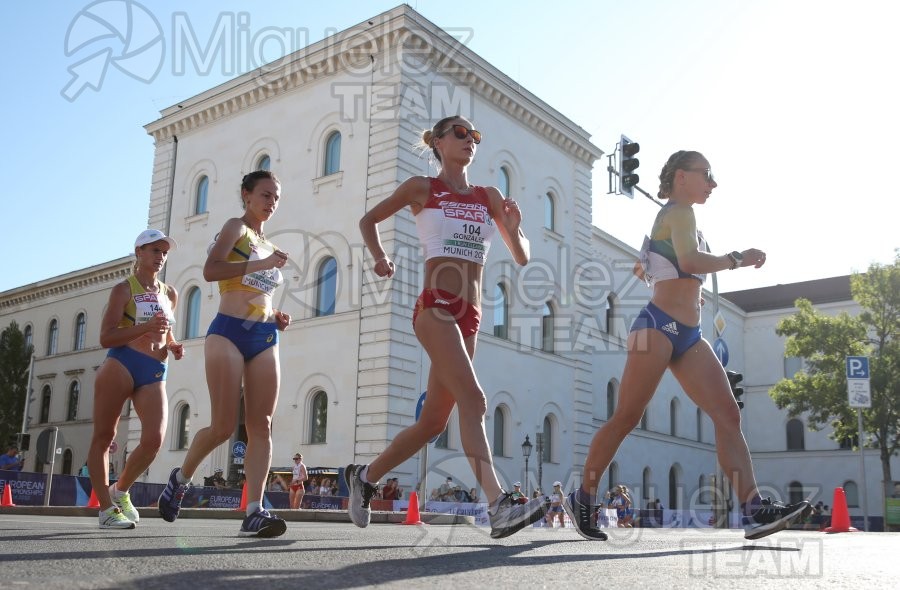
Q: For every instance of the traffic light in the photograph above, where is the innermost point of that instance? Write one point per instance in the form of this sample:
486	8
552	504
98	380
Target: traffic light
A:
627	165
737	391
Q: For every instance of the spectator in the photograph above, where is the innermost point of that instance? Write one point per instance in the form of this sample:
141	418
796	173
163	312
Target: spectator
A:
445	492
215	480
10	461
516	496
325	487
83	472
389	492
276	484
473	496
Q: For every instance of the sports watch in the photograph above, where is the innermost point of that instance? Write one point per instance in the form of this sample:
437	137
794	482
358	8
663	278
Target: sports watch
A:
736	259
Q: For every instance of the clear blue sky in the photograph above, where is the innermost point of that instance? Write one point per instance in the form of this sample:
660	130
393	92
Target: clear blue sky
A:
793	102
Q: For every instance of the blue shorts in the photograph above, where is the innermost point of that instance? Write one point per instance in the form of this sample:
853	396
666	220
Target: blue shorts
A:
250	338
554	509
144	369
682	337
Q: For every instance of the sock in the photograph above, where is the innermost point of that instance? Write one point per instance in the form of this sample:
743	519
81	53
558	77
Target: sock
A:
583	497
114	492
364	475
252	507
181	478
752	505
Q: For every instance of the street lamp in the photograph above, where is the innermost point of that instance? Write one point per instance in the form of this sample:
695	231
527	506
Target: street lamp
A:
526	452
539	439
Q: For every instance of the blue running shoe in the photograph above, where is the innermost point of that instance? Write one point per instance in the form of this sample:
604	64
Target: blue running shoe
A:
262	524
170	499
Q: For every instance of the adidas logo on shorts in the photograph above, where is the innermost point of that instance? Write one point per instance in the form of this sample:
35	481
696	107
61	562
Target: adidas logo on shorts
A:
671	328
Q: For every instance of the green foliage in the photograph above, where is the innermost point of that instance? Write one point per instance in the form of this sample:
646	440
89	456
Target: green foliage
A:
14	360
824	342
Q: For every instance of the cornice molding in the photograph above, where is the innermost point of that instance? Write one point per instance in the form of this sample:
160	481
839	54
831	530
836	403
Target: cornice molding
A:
400	29
113	271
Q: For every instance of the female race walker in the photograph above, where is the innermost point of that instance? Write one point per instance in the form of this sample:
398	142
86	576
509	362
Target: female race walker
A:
137	330
666	334
455	222
241	347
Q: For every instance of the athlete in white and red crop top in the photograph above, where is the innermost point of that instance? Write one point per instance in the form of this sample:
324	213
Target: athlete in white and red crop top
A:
455	222
454	225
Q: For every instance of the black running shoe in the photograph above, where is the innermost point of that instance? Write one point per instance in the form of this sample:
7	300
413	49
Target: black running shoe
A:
581	518
772	517
169	503
507	517
262	524
361	494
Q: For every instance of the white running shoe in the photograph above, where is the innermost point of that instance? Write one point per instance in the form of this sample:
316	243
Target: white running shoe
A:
112	518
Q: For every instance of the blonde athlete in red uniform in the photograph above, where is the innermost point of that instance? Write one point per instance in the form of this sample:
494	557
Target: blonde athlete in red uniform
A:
455	222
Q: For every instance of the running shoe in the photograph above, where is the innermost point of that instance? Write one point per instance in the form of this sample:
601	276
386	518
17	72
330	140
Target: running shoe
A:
262	524
170	499
125	505
581	518
361	494
508	517
772	517
112	518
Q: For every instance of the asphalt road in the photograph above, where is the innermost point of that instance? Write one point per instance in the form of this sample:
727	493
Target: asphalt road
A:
52	551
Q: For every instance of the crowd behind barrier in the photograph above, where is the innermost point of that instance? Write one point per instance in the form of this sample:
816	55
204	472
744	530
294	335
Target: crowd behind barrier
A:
69	490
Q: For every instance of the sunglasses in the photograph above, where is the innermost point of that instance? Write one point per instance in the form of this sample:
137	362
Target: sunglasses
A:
461	131
706	171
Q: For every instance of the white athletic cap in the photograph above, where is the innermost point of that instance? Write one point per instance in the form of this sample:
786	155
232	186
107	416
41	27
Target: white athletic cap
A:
148	236
518	484
557	483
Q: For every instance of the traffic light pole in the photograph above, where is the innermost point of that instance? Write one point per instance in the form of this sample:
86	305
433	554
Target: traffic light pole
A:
613	173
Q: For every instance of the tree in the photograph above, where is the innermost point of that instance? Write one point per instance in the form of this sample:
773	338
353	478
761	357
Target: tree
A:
820	390
15	357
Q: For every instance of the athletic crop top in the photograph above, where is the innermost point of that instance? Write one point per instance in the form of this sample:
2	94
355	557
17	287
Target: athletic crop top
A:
455	226
660	263
143	305
250	246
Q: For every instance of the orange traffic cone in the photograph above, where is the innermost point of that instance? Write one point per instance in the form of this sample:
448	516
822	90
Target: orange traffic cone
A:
93	502
243	505
412	512
7	495
840	517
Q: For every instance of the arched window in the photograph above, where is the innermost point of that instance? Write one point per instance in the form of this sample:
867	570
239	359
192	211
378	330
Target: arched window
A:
705	497
443	439
67	462
613	478
318	418
674	406
46	393
80	322
547	329
183	431
326	287
74	391
264	163
499	432
503	181
610	399
699	425
548	440
610	313
549	212
202	195
332	153
29	336
52	337
501	312
192	314
674	496
795	440
851	492
646	482
795	492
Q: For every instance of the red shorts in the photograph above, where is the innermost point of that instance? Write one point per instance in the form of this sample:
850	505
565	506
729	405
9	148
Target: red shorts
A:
296	486
467	316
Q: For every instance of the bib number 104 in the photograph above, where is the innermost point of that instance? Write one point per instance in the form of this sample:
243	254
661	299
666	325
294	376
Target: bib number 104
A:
471	228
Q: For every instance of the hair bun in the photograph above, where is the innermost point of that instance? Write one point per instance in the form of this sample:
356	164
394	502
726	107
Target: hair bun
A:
427	137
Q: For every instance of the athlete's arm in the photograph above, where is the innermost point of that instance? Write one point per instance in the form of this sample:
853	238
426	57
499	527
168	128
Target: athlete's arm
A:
412	192
111	335
508	217
219	268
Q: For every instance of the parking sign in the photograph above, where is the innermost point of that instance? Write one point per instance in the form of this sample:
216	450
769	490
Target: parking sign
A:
858	390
